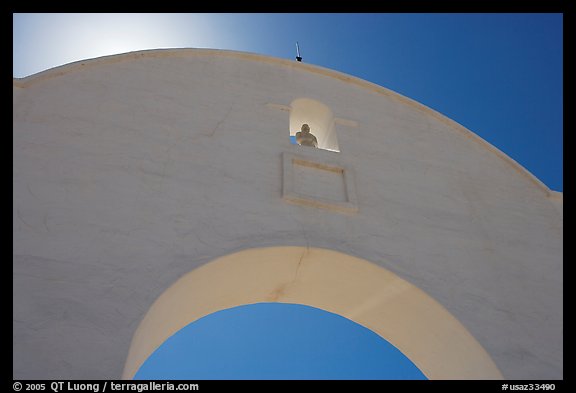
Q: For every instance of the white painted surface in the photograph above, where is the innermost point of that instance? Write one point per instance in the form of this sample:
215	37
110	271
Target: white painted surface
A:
434	341
131	170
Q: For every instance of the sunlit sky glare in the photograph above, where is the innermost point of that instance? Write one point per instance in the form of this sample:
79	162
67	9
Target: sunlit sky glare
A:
499	75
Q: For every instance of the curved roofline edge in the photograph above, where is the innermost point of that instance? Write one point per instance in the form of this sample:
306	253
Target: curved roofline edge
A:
179	52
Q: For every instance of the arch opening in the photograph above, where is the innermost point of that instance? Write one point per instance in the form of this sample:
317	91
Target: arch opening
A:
276	341
356	289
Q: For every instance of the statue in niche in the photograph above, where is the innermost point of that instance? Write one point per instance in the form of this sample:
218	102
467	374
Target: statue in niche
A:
305	138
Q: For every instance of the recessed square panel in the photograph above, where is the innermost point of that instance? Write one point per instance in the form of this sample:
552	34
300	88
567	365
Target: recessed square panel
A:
318	183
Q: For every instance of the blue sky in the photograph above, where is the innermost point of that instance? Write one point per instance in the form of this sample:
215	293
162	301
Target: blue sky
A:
277	341
499	75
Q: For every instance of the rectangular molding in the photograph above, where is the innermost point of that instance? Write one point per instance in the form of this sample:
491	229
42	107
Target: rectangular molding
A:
319	183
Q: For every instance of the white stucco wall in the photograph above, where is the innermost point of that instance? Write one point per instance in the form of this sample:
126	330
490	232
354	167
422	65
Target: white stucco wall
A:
129	171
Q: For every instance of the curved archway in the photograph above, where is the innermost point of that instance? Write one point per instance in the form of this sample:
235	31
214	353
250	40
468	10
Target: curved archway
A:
423	330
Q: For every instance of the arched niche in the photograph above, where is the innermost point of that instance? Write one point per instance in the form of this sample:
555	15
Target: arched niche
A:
320	119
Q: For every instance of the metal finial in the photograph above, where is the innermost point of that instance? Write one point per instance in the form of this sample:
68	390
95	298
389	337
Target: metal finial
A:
298	57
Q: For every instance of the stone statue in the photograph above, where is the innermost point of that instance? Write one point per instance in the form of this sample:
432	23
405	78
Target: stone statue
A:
305	138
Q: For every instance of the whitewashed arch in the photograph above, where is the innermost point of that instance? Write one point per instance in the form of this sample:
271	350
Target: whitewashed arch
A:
423	330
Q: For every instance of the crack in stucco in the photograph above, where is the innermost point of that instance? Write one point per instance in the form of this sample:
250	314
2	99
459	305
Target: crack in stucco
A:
211	133
44	221
296	273
281	290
